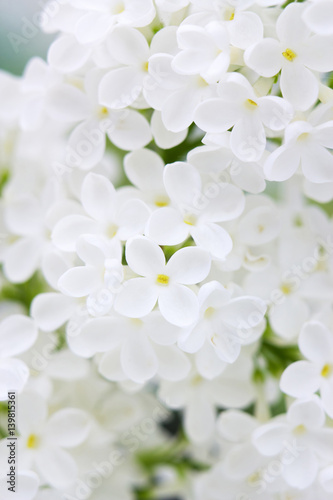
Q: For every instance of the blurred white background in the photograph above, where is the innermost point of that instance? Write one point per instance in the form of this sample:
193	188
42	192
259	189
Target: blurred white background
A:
18	19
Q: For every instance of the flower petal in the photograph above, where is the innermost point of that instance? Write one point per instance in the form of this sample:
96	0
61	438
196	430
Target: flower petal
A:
144	256
178	305
17	334
137	298
188	266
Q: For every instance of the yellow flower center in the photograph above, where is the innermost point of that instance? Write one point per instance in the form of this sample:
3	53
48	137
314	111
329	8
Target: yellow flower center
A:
289	54
111	231
190	219
32	441
145	66
299	430
327	370
103	112
209	312
303	136
118	8
250	104
162	279
286	289
162	202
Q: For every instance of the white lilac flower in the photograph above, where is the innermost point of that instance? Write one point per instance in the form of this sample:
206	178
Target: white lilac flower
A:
199	396
244	27
226	322
65	103
303	424
164	282
17	334
306	148
297	54
108	214
195	211
303	378
239	107
135	348
44	441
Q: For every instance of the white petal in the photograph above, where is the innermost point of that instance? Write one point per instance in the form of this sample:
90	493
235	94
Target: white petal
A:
265	57
144	256
302	472
13	376
212	238
193	340
188	266
326	478
138	358
92	27
316	55
318	17
26	487
137	298
290	27
308	412
144	168
65	365
235	425
110	367
183	185
163	137
132	219
79	281
249	177
174	365
178	305
287	318
66	103
178	111
227	204
57	467
98	197
96	335
322	159
66	54
51	310
199	419
17	334
300	379
120	87
67	231
299	85
245	30
131	131
275	112
259	226
160	331
22	259
166	227
31	413
282	163
128	46
316	342
208	364
216	115
68	427
248	139
86	145
326	392
269	439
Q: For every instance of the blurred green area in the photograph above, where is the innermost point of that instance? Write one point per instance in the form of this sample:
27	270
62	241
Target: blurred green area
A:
20	35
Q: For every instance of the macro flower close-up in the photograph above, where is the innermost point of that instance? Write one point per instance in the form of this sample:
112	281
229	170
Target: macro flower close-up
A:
166	250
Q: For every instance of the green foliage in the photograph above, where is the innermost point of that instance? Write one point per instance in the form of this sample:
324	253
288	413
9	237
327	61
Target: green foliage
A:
24	292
